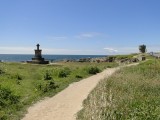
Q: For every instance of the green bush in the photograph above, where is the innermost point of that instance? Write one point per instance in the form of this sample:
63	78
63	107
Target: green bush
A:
7	98
2	69
50	86
3	116
19	77
16	76
45	86
93	70
8	101
64	72
79	76
48	75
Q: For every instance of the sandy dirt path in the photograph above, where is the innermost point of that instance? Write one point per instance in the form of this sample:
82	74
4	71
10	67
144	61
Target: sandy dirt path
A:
68	102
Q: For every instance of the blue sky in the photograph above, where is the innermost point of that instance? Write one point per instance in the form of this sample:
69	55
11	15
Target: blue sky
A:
84	27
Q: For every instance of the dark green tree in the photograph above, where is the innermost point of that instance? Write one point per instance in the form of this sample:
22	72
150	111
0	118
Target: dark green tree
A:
142	48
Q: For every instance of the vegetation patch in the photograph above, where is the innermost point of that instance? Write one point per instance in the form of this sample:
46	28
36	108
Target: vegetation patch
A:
93	70
8	100
48	75
64	72
24	84
133	93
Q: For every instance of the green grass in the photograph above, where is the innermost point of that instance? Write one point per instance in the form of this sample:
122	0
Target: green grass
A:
21	85
119	57
133	93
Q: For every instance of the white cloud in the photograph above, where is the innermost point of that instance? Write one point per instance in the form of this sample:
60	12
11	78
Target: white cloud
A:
121	50
111	50
128	50
16	50
88	35
71	51
56	38
153	49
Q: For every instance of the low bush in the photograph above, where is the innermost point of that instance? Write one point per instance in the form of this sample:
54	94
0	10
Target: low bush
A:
93	70
79	76
64	72
50	86
2	69
7	98
7	101
45	86
48	75
16	76
19	77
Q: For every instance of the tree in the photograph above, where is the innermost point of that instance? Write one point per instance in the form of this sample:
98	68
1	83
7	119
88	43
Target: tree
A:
142	48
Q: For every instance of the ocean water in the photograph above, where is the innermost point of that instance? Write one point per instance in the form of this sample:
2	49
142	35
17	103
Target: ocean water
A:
20	58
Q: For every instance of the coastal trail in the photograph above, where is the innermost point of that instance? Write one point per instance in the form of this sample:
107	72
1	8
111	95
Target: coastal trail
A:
68	102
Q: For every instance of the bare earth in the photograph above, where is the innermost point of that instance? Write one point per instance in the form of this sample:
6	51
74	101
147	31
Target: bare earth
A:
68	102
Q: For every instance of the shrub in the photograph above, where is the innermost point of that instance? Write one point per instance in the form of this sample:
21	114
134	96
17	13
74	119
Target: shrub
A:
79	76
93	70
64	72
8	101
16	76
50	86
3	116
47	75
7	98
2	69
19	77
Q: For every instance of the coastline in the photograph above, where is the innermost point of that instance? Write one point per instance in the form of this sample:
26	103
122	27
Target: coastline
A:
51	58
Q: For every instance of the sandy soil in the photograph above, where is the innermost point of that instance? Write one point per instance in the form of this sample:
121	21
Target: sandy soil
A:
68	102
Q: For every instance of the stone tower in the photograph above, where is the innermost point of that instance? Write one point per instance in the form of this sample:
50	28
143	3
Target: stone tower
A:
38	57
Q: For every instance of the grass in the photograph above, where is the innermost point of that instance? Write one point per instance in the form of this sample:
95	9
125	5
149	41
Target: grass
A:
133	93
119	57
21	85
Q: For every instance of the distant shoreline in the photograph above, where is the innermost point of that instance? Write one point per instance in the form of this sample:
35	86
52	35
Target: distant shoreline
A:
26	57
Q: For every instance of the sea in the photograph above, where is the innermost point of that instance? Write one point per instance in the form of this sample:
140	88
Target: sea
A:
52	58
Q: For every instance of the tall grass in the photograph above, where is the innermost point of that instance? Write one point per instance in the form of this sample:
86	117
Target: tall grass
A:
133	93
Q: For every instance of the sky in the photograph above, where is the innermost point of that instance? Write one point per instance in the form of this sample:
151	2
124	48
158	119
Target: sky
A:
79	27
